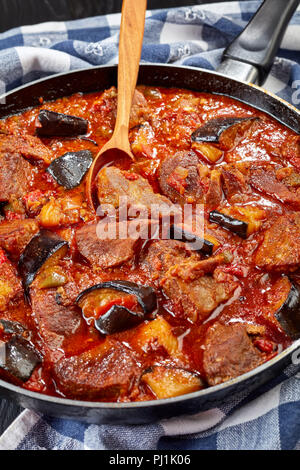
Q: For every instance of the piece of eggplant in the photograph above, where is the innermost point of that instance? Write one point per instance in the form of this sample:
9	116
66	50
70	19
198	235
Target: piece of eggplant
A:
39	250
236	226
2	205
11	327
70	169
196	243
116	319
288	314
212	130
52	124
18	358
145	295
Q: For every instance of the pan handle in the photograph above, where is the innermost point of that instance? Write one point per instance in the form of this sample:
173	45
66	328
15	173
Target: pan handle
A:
250	56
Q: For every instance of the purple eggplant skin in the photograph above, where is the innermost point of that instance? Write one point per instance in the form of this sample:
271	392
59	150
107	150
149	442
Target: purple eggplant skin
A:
288	314
70	169
212	130
145	295
41	247
117	319
202	245
2	205
19	358
52	124
11	327
236	226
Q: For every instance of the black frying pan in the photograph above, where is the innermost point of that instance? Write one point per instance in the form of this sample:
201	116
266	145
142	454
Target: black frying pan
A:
248	58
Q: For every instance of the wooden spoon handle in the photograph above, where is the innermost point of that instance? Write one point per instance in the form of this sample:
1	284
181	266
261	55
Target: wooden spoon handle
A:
130	48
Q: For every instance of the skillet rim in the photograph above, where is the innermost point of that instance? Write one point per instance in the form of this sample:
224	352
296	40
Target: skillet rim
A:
145	65
18	390
141	404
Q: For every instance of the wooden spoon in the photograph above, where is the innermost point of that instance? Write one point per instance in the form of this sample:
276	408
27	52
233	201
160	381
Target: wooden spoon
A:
130	48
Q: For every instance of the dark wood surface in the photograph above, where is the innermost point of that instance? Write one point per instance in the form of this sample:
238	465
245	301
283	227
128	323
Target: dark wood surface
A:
20	12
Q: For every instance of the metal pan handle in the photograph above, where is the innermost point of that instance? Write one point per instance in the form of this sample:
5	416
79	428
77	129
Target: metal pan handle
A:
250	56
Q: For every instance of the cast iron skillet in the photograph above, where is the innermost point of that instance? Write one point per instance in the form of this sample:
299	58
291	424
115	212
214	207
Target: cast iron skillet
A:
248	58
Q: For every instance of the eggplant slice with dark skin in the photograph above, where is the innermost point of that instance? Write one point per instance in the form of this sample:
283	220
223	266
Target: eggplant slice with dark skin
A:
288	314
145	295
212	130
202	245
116	319
70	169
119	318
52	124
39	250
236	226
11	327
18	358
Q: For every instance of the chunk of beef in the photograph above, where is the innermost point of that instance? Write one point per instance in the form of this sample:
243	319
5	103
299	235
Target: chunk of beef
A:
231	136
14	176
198	298
291	150
55	322
16	234
105	253
214	195
280	249
179	179
195	294
163	254
139	109
264	179
10	285
28	146
114	184
107	371
234	182
228	353
190	269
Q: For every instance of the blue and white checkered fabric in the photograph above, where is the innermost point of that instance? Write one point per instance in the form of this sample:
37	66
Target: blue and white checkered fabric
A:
196	36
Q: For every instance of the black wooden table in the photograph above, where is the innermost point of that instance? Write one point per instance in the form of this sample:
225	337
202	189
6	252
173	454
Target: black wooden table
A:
20	12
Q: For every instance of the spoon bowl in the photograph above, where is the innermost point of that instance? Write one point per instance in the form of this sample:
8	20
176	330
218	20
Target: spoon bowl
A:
117	149
108	156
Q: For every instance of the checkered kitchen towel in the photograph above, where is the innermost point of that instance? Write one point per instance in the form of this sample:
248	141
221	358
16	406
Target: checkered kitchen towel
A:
196	36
